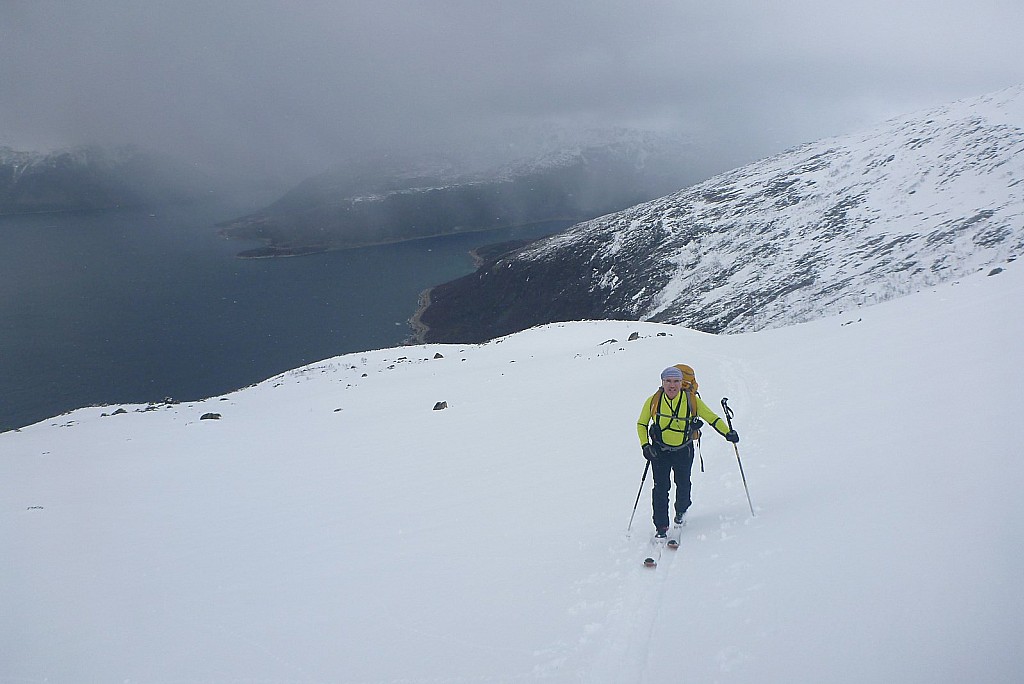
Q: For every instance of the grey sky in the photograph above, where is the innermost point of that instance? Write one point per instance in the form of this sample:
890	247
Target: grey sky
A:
294	84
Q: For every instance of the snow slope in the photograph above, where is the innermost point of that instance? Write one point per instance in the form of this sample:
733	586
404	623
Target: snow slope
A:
332	527
856	219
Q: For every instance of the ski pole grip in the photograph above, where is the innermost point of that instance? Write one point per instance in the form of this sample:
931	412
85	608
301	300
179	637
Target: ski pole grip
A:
728	411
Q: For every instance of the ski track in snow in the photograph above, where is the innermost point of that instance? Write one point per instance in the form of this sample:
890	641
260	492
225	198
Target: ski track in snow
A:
629	625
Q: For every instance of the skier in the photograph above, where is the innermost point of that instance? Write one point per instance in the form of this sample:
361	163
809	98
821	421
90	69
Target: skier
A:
668	425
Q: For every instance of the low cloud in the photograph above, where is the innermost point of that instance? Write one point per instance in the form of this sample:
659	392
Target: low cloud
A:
286	89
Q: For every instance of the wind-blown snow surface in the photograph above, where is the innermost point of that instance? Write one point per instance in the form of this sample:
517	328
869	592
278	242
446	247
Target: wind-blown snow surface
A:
331	527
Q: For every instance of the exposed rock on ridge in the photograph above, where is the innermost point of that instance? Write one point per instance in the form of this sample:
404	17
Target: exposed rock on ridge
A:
820	229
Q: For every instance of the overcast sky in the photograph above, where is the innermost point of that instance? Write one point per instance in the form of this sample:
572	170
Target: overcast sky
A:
295	84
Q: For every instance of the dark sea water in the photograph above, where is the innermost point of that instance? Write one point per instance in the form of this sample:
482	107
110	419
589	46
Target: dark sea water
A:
132	306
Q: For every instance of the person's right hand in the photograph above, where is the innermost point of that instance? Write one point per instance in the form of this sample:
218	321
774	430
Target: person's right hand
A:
649	452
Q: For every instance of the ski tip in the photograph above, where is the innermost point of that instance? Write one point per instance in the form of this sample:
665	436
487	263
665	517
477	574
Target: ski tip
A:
673	544
650	562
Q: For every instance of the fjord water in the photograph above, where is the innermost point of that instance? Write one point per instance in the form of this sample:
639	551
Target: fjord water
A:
134	306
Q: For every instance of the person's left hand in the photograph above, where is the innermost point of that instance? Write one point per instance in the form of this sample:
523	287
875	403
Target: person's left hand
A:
733	437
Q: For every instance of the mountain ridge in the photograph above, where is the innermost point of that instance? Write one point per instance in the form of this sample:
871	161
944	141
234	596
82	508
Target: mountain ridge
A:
825	227
392	199
94	177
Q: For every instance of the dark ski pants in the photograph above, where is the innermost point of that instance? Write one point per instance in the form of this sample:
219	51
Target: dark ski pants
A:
664	467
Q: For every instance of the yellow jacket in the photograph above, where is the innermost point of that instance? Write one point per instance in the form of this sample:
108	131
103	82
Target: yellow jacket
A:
671	418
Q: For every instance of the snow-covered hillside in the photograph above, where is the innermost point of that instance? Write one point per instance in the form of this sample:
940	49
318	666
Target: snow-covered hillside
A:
395	198
815	231
332	527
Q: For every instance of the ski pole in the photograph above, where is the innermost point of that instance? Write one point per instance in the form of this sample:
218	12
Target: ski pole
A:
637	502
728	418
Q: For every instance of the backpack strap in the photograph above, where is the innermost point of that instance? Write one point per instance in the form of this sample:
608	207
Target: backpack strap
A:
674	415
692	417
654	432
691	410
656	403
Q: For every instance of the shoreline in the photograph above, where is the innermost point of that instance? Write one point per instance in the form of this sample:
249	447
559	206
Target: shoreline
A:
419	328
271	251
480	256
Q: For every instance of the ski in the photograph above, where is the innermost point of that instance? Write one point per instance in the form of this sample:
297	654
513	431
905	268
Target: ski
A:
674	534
654	553
671	540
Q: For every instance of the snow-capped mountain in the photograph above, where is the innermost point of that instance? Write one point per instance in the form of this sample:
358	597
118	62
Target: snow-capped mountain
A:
93	177
394	198
820	229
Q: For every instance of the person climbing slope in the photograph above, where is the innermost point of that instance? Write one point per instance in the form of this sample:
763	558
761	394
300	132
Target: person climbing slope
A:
668	426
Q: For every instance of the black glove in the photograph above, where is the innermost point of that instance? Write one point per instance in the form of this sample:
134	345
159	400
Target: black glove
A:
732	437
649	453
